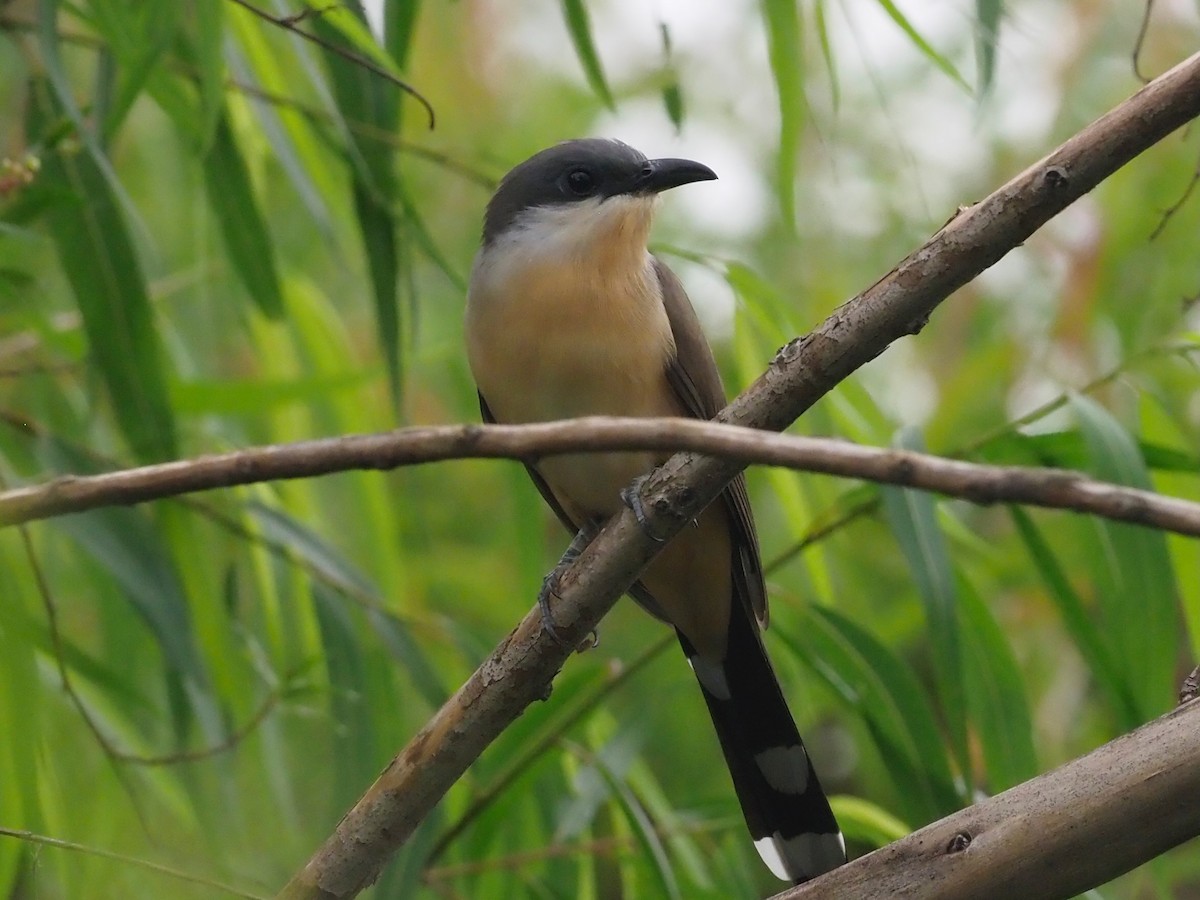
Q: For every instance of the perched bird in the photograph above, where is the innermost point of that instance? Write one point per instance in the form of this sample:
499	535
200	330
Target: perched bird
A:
568	314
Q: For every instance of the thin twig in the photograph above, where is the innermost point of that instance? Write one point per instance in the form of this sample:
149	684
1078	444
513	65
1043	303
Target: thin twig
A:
308	110
290	23
984	484
34	838
1140	42
1170	211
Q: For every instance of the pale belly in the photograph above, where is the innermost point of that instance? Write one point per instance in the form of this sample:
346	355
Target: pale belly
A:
545	376
568	348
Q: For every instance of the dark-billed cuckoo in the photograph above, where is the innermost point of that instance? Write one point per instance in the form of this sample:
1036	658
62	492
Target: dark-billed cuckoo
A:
568	315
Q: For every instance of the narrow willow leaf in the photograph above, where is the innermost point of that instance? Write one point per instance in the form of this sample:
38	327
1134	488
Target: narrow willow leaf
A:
323	557
204	28
23	698
1135	580
353	734
927	50
579	26
1069	450
347	26
867	823
644	830
377	225
1089	639
685	848
364	98
55	76
672	92
98	258
419	233
399	27
785	49
995	696
987	37
883	689
913	520
242	225
126	544
137	35
827	53
294	138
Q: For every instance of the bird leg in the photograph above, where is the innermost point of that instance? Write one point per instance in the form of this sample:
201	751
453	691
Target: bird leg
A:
632	497
550	589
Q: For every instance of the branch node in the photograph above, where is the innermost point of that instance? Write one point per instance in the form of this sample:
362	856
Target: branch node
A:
959	843
1056	179
1190	688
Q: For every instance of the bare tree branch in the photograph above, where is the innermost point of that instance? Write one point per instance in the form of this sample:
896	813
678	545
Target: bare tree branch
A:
1054	488
520	670
1056	835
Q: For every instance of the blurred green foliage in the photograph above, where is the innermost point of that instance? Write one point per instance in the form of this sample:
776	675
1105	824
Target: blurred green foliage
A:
214	234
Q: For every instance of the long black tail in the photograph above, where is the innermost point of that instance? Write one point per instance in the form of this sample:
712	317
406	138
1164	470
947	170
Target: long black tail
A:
788	814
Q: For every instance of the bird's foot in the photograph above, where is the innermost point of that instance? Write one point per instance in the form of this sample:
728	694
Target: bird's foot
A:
631	496
550	589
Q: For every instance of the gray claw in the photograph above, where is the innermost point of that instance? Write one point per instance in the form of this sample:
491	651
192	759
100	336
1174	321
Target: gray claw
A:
632	497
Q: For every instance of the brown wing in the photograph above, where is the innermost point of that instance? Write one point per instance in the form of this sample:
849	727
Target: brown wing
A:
543	488
694	377
637	591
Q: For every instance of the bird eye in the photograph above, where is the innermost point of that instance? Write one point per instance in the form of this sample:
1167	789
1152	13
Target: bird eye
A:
580	182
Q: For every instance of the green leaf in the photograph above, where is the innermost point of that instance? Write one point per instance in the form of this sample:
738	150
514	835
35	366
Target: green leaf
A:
64	98
867	823
128	545
23	704
347	26
672	92
419	234
785	50
884	691
579	26
995	696
99	261
399	27
254	396
913	520
293	136
987	37
1088	638
921	44
644	830
1068	450
201	46
823	41
363	98
326	560
377	225
1135	581
137	35
231	196
353	733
